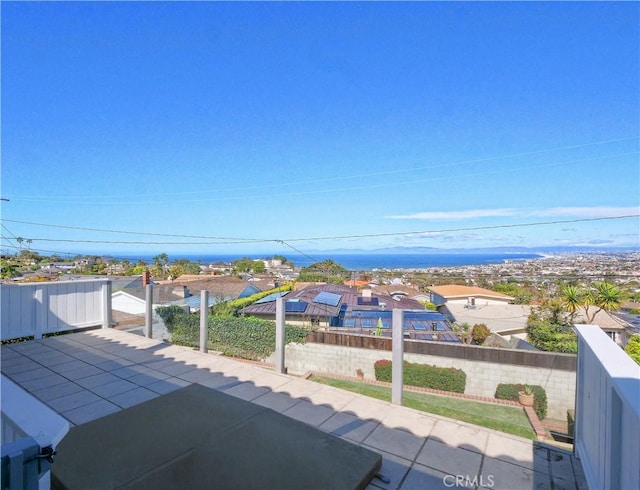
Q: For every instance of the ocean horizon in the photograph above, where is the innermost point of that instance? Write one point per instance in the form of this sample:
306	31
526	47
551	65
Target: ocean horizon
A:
359	262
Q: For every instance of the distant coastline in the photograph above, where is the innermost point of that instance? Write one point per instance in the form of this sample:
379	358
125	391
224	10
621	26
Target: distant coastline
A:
368	261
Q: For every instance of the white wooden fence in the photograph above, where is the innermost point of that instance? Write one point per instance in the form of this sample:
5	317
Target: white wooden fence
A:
607	424
39	308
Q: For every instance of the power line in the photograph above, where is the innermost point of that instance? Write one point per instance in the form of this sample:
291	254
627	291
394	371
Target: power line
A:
231	241
125	232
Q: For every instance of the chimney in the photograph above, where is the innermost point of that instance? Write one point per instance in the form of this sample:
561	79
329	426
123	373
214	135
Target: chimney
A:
366	293
146	278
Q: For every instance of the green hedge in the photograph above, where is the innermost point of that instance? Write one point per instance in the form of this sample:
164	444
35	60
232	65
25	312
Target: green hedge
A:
232	307
248	338
505	391
422	375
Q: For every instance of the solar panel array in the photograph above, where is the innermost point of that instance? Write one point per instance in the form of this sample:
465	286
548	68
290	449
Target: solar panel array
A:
329	299
295	306
270	298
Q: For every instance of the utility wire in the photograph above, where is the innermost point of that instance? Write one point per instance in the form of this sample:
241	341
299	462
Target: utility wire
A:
8	240
230	241
123	232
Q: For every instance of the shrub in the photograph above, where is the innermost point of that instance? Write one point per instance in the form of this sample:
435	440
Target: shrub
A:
231	308
571	420
422	375
248	338
633	348
505	391
170	315
479	333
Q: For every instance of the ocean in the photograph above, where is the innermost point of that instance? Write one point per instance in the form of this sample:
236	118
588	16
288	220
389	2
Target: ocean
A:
362	262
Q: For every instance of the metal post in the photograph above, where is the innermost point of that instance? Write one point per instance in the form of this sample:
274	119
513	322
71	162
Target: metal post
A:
204	330
397	354
280	367
148	312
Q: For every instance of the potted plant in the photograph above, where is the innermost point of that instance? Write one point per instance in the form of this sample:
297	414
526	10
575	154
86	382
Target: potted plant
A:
525	396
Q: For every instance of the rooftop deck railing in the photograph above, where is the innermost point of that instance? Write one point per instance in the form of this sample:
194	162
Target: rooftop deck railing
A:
607	424
35	309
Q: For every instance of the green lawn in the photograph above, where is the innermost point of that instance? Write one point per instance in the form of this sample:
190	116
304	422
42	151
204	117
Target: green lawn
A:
511	420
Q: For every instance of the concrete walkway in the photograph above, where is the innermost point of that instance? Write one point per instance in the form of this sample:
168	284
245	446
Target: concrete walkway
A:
84	376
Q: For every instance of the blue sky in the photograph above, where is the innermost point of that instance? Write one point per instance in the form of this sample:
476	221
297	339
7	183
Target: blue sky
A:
313	122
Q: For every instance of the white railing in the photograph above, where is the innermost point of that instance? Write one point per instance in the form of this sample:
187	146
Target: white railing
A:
607	423
48	307
29	428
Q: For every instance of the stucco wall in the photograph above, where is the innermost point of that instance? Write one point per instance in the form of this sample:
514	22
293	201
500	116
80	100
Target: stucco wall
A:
482	377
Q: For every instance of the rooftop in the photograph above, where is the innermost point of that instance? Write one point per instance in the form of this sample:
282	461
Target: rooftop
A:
457	291
86	376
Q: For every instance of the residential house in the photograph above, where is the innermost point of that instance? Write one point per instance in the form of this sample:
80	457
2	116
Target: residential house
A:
470	295
475	305
344	308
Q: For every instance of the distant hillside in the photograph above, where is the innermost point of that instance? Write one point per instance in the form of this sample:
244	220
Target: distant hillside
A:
485	250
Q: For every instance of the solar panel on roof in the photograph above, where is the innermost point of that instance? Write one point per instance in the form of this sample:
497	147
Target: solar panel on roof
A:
373	301
295	306
270	298
329	299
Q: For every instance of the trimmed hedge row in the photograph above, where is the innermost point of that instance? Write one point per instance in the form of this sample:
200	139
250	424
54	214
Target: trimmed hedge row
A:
506	391
424	376
248	338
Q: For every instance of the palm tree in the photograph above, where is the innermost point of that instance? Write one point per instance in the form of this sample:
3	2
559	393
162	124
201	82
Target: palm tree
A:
160	262
572	299
608	296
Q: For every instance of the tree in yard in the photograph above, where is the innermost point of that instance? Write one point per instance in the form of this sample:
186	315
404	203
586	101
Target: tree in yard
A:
549	330
160	262
607	296
572	299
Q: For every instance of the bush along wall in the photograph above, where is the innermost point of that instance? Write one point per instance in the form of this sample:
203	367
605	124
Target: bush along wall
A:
424	376
505	391
248	338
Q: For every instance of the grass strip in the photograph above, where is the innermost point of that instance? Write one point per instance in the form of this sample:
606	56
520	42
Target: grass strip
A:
510	420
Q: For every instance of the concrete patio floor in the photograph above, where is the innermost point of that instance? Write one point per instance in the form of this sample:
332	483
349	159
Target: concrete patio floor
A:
85	376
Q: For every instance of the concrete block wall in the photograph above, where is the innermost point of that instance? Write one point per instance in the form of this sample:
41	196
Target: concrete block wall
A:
482	377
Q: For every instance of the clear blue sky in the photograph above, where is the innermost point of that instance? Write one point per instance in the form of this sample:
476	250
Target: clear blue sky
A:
283	121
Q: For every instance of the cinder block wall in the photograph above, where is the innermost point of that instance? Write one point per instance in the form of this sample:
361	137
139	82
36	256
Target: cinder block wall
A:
482	376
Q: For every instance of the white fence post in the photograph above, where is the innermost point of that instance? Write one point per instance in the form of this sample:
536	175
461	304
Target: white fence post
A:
39	312
106	304
397	354
204	330
280	367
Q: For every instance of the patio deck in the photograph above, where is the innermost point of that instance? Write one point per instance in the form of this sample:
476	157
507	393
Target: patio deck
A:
88	375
